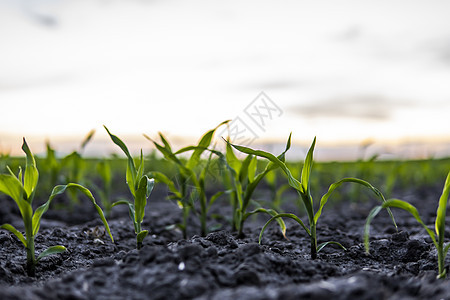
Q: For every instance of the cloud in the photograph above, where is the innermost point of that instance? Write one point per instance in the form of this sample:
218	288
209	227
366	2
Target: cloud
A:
372	107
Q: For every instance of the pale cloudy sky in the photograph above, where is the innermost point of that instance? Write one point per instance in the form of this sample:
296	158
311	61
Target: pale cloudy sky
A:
341	70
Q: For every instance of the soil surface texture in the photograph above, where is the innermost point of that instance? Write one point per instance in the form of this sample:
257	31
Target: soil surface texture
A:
401	265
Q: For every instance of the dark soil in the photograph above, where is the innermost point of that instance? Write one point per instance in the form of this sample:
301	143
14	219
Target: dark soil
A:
401	265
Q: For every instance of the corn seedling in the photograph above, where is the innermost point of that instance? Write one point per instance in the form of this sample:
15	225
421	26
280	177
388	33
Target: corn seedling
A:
245	180
52	166
303	189
104	170
192	184
22	189
436	236
76	166
140	187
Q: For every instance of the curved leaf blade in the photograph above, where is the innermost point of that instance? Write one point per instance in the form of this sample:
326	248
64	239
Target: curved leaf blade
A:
59	189
307	168
31	175
441	211
323	245
50	251
283	215
16	232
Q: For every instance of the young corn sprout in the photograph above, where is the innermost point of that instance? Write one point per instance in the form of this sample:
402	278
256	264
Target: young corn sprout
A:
104	170
76	166
21	189
192	183
140	187
303	189
245	180
436	236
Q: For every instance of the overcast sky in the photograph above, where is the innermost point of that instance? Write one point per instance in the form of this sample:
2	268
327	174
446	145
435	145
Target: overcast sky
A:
341	70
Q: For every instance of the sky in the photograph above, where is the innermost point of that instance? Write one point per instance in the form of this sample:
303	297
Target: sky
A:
344	71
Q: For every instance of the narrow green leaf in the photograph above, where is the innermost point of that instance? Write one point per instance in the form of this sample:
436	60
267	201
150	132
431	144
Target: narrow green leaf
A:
412	210
165	142
323	245
104	170
141	236
441	211
150	186
270	212
131	212
131	167
372	214
50	251
337	184
140	170
31	175
59	189
16	232
252	169
204	142
283	215
292	181
398	204
232	160
307	168
160	177
11	186
119	143
140	201
87	139
214	198
446	250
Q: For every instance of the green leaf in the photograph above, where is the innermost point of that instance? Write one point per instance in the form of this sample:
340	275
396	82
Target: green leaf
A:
17	233
204	142
141	236
244	168
140	201
446	249
337	184
59	189
119	143
283	215
398	204
214	198
279	162
160	177
140	170
170	156
150	186
131	212
87	139
252	169
50	251
31	175
307	168
165	142
292	181
232	160
323	245
441	211
270	212
104	170
131	167
11	186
